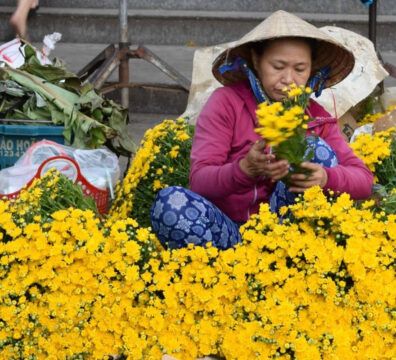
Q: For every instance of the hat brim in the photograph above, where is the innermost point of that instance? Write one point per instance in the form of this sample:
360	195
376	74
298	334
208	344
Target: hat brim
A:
328	51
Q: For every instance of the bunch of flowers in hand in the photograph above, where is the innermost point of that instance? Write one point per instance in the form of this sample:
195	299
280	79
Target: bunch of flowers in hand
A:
284	127
163	159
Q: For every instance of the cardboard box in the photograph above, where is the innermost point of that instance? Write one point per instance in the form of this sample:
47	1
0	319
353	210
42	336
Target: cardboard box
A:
385	122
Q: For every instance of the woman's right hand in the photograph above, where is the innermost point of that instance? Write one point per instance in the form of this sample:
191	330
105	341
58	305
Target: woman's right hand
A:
258	163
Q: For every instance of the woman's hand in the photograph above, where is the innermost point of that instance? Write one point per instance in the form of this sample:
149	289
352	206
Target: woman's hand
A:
258	163
300	182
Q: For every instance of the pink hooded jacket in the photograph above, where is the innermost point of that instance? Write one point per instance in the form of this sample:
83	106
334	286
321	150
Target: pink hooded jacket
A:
224	134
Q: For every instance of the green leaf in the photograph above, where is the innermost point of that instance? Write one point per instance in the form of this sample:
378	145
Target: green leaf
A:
65	101
92	99
30	52
98	137
117	121
97	114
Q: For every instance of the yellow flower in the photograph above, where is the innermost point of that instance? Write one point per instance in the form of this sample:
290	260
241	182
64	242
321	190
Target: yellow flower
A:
372	149
174	152
157	185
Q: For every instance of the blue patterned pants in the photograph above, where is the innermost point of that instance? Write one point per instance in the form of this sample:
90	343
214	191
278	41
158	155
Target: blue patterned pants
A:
181	217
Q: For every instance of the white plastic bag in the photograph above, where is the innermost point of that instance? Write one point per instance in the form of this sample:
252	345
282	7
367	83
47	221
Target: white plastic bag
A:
13	53
364	129
12	179
100	167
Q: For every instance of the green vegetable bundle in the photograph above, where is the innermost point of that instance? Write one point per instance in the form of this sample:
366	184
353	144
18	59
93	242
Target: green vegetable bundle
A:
49	92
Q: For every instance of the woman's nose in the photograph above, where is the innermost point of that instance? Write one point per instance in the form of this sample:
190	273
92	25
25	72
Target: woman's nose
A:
288	77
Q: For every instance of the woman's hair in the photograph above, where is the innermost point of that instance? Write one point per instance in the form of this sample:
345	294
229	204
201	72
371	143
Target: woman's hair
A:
260	46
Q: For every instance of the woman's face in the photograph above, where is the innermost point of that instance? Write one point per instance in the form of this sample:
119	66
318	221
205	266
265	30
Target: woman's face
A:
283	62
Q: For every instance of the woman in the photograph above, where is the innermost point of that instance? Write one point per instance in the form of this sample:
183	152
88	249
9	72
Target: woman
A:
232	169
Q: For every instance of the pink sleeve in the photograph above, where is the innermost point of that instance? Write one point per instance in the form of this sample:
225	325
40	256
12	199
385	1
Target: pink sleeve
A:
212	175
351	175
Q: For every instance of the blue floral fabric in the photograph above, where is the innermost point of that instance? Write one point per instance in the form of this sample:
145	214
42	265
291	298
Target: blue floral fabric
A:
323	155
181	217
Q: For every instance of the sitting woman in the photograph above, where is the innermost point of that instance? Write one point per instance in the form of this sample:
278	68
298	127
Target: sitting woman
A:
232	169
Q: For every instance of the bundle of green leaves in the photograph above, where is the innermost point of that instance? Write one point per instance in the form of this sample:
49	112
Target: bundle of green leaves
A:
37	92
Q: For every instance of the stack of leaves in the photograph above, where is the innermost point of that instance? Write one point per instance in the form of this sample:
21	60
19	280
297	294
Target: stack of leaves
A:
38	92
162	160
284	126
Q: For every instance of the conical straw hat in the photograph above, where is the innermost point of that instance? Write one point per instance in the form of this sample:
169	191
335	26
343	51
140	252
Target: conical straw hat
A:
283	24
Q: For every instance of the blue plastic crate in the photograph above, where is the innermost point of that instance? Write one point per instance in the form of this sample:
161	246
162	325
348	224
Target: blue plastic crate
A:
16	139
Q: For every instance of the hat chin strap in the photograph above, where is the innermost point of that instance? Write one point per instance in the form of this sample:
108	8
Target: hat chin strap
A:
318	80
238	64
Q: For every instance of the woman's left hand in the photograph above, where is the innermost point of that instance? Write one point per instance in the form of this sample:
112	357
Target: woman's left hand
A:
301	182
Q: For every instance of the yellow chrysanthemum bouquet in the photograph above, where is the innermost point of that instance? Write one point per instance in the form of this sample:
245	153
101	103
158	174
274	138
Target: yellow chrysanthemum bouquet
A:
378	152
52	192
374	149
163	159
284	126
386	169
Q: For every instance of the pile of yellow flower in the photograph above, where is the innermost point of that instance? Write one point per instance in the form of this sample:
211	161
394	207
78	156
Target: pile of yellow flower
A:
321	286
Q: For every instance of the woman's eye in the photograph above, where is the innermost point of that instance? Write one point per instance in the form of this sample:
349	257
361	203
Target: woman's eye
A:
278	67
300	70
